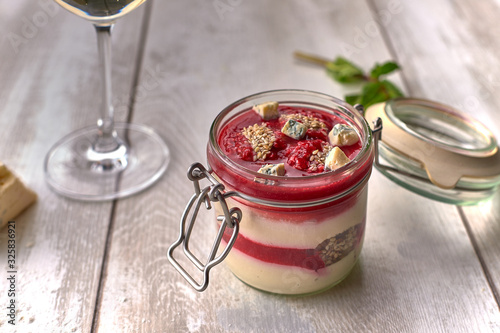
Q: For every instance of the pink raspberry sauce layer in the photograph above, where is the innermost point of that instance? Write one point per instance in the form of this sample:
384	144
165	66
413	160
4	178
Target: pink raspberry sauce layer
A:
326	253
295	154
234	161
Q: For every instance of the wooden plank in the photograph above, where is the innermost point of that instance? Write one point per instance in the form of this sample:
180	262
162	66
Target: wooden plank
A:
483	220
418	270
447	52
482	224
454	60
49	86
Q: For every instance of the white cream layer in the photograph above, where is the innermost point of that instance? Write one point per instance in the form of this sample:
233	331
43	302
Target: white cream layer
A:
258	227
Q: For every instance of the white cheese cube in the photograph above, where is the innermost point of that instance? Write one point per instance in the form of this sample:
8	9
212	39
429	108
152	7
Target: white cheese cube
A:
273	169
343	135
14	195
267	110
335	159
294	129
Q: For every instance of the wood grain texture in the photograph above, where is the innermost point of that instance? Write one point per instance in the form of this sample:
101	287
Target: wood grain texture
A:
418	270
483	222
449	53
425	266
49	86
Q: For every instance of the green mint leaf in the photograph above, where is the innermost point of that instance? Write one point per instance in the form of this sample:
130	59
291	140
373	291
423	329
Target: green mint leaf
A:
377	92
345	71
353	99
373	88
385	68
391	89
373	93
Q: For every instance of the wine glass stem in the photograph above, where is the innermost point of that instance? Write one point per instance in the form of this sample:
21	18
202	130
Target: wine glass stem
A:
105	124
108	153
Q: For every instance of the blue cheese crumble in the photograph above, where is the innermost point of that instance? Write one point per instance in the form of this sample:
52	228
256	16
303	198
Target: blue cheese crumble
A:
294	129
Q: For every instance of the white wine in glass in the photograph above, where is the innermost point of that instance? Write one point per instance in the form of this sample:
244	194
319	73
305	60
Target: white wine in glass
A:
101	12
109	160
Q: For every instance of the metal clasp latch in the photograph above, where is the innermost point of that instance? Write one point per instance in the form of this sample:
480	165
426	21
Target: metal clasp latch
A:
231	219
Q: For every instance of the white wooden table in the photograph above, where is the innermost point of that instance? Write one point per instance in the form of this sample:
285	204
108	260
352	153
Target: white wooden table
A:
102	267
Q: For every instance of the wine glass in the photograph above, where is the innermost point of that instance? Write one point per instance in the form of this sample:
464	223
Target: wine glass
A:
110	160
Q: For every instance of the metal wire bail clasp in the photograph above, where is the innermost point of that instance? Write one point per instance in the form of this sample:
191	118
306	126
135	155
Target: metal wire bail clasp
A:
231	219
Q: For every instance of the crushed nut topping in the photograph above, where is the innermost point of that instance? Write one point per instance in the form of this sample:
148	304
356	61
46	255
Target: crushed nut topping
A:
311	122
318	157
261	138
337	247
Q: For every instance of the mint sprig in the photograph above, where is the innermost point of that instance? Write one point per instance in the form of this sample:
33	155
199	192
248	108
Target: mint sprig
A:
374	87
344	71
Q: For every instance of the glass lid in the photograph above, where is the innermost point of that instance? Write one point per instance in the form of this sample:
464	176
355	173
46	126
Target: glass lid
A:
441	126
435	150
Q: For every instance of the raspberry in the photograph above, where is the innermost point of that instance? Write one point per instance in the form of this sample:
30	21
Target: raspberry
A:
298	156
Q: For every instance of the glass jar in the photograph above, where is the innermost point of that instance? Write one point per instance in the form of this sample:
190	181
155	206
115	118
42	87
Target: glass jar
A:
297	235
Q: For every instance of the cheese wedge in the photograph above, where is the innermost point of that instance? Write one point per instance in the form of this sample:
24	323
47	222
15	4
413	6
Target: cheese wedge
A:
343	135
267	110
14	196
294	129
335	159
273	169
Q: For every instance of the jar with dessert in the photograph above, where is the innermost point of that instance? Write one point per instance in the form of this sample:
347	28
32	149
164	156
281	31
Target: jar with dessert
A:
294	166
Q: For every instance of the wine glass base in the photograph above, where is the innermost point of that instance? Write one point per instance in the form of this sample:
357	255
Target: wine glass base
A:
69	171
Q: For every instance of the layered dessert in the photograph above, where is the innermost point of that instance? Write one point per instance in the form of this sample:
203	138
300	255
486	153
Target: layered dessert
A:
303	195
